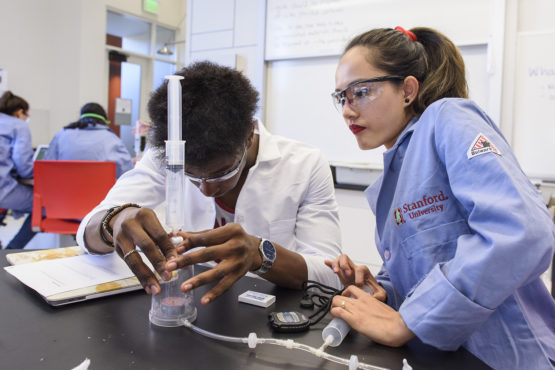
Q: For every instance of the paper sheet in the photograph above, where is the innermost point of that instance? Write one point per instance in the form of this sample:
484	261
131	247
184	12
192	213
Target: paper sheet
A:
65	274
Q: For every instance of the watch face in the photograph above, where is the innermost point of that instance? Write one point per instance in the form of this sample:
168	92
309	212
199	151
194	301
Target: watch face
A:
269	250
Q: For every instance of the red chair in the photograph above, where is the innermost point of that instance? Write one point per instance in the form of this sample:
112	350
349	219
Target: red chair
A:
65	191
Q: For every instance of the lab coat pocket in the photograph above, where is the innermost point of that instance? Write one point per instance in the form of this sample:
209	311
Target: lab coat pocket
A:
283	232
438	244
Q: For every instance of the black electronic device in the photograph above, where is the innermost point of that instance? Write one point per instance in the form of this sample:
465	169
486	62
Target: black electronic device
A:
289	321
314	294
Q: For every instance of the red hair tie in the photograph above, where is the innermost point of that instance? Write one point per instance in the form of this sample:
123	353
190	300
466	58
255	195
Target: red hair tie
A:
409	34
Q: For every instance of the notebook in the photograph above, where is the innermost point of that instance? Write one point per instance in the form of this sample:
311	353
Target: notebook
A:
68	275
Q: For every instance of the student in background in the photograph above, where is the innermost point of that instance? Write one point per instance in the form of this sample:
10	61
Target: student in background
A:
90	139
463	234
244	184
16	162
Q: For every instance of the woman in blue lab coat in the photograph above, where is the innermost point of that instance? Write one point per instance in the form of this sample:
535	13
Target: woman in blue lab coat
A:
463	234
90	139
16	163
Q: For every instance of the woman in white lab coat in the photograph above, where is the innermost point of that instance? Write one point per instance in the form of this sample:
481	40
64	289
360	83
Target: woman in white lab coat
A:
267	202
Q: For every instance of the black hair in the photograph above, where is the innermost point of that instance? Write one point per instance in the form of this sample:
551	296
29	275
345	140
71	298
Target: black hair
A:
218	105
83	122
10	103
433	59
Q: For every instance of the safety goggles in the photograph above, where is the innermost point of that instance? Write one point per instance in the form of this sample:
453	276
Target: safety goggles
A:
226	176
360	92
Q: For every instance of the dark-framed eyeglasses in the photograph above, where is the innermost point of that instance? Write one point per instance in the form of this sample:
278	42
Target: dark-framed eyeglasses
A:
226	176
359	92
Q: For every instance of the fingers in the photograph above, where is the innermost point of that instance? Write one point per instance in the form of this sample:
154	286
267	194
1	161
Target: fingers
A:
222	272
157	233
212	237
354	292
343	268
230	244
361	275
138	236
140	227
378	291
147	279
202	255
341	307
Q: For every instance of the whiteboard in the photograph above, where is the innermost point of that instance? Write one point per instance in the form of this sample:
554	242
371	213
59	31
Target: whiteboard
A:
308	28
304	40
299	105
534	108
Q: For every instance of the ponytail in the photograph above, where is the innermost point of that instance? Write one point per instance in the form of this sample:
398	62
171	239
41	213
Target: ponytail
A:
445	72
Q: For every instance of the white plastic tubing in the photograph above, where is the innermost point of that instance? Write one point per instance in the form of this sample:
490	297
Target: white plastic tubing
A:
252	340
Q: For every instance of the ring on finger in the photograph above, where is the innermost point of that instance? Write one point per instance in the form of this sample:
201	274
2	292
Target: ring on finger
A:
342	304
129	253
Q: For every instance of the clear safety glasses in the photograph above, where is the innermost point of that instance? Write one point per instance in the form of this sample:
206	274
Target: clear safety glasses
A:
226	176
357	93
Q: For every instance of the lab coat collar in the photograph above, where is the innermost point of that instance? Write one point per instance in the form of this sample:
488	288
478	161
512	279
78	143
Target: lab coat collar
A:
372	190
406	132
90	126
267	148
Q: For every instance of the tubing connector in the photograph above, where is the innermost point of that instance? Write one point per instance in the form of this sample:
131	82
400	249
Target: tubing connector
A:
252	340
353	362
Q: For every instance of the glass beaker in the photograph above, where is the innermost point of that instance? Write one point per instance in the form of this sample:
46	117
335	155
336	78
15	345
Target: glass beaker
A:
172	306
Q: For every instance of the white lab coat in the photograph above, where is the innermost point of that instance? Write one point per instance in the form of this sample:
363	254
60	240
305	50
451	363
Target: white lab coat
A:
288	198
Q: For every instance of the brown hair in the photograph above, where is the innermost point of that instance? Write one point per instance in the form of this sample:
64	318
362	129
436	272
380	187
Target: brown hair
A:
432	59
10	103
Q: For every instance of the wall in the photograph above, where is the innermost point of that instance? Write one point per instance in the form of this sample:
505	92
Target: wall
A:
232	36
301	63
528	125
56	58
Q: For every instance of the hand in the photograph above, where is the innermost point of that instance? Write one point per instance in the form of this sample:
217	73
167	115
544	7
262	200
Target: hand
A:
369	316
349	273
236	250
140	227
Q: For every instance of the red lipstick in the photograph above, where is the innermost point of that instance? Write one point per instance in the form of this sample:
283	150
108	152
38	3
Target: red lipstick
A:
356	128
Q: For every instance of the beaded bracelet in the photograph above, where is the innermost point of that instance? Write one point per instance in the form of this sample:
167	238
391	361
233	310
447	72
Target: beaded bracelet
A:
105	223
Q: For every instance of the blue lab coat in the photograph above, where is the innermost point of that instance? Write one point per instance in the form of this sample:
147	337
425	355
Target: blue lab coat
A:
92	143
16	154
464	238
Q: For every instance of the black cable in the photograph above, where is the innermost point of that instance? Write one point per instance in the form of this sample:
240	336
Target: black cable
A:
324	297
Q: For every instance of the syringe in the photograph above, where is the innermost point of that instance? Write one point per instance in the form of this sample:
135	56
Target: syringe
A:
175	158
172	306
337	329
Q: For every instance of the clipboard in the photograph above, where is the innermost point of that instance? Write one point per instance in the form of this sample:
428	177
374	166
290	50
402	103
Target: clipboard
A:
76	295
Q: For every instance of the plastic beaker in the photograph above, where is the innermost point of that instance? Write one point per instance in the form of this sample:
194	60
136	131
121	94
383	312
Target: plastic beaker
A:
172	306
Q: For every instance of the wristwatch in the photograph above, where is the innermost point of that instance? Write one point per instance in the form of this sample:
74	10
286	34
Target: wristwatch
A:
268	254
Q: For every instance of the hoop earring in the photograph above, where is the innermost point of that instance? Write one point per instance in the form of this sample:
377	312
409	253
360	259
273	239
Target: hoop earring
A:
407	100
